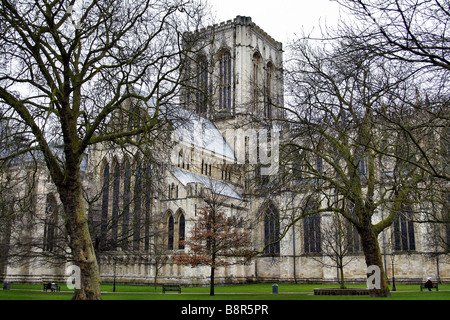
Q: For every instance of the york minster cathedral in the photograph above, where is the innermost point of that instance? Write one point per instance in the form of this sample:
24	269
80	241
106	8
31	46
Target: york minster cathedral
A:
226	130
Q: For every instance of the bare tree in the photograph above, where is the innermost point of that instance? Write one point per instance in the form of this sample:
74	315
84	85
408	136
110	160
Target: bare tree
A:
158	248
217	239
17	196
63	82
412	36
412	31
342	144
367	105
340	241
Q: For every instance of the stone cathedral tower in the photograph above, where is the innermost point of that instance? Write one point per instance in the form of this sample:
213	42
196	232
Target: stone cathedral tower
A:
238	73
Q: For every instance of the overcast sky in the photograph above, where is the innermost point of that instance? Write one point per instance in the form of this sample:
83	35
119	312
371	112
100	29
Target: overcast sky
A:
281	19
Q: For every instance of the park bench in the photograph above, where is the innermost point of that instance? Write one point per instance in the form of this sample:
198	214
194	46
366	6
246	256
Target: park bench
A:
53	287
434	286
433	279
171	287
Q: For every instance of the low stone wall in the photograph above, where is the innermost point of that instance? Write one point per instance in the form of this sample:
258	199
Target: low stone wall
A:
341	292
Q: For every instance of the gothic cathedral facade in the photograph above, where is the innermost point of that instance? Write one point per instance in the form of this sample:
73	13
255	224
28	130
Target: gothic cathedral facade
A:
227	147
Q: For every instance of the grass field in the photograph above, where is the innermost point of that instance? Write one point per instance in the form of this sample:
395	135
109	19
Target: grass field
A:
236	292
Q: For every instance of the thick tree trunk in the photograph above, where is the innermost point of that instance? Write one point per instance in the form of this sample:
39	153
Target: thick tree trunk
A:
80	241
373	258
211	286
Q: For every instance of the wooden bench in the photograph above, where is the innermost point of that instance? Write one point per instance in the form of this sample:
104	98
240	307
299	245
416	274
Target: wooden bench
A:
434	286
53	287
171	287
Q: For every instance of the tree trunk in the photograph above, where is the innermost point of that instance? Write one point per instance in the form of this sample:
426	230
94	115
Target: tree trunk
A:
341	270
372	255
80	240
156	274
211	286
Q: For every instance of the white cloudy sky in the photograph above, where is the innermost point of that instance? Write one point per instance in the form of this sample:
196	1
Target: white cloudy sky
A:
281	19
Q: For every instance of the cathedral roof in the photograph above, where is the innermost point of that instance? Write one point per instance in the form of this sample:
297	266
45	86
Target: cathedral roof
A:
192	129
216	186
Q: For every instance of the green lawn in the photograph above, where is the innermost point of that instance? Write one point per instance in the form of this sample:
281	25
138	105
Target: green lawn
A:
236	292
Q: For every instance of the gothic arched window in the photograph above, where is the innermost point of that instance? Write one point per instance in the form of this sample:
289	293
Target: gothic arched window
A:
353	237
311	230
268	92
170	229
361	164
404	238
319	164
271	230
201	93
105	205
256	78
148	203
225	80
137	207
126	204
181	159
115	208
181	231
51	214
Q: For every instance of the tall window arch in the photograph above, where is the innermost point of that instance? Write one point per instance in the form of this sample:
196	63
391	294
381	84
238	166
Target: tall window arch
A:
137	207
404	239
51	217
170	232
148	204
319	164
181	159
181	231
256	78
105	205
126	204
361	164
225	81
271	230
353	237
201	92
446	212
115	208
311	230
268	92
